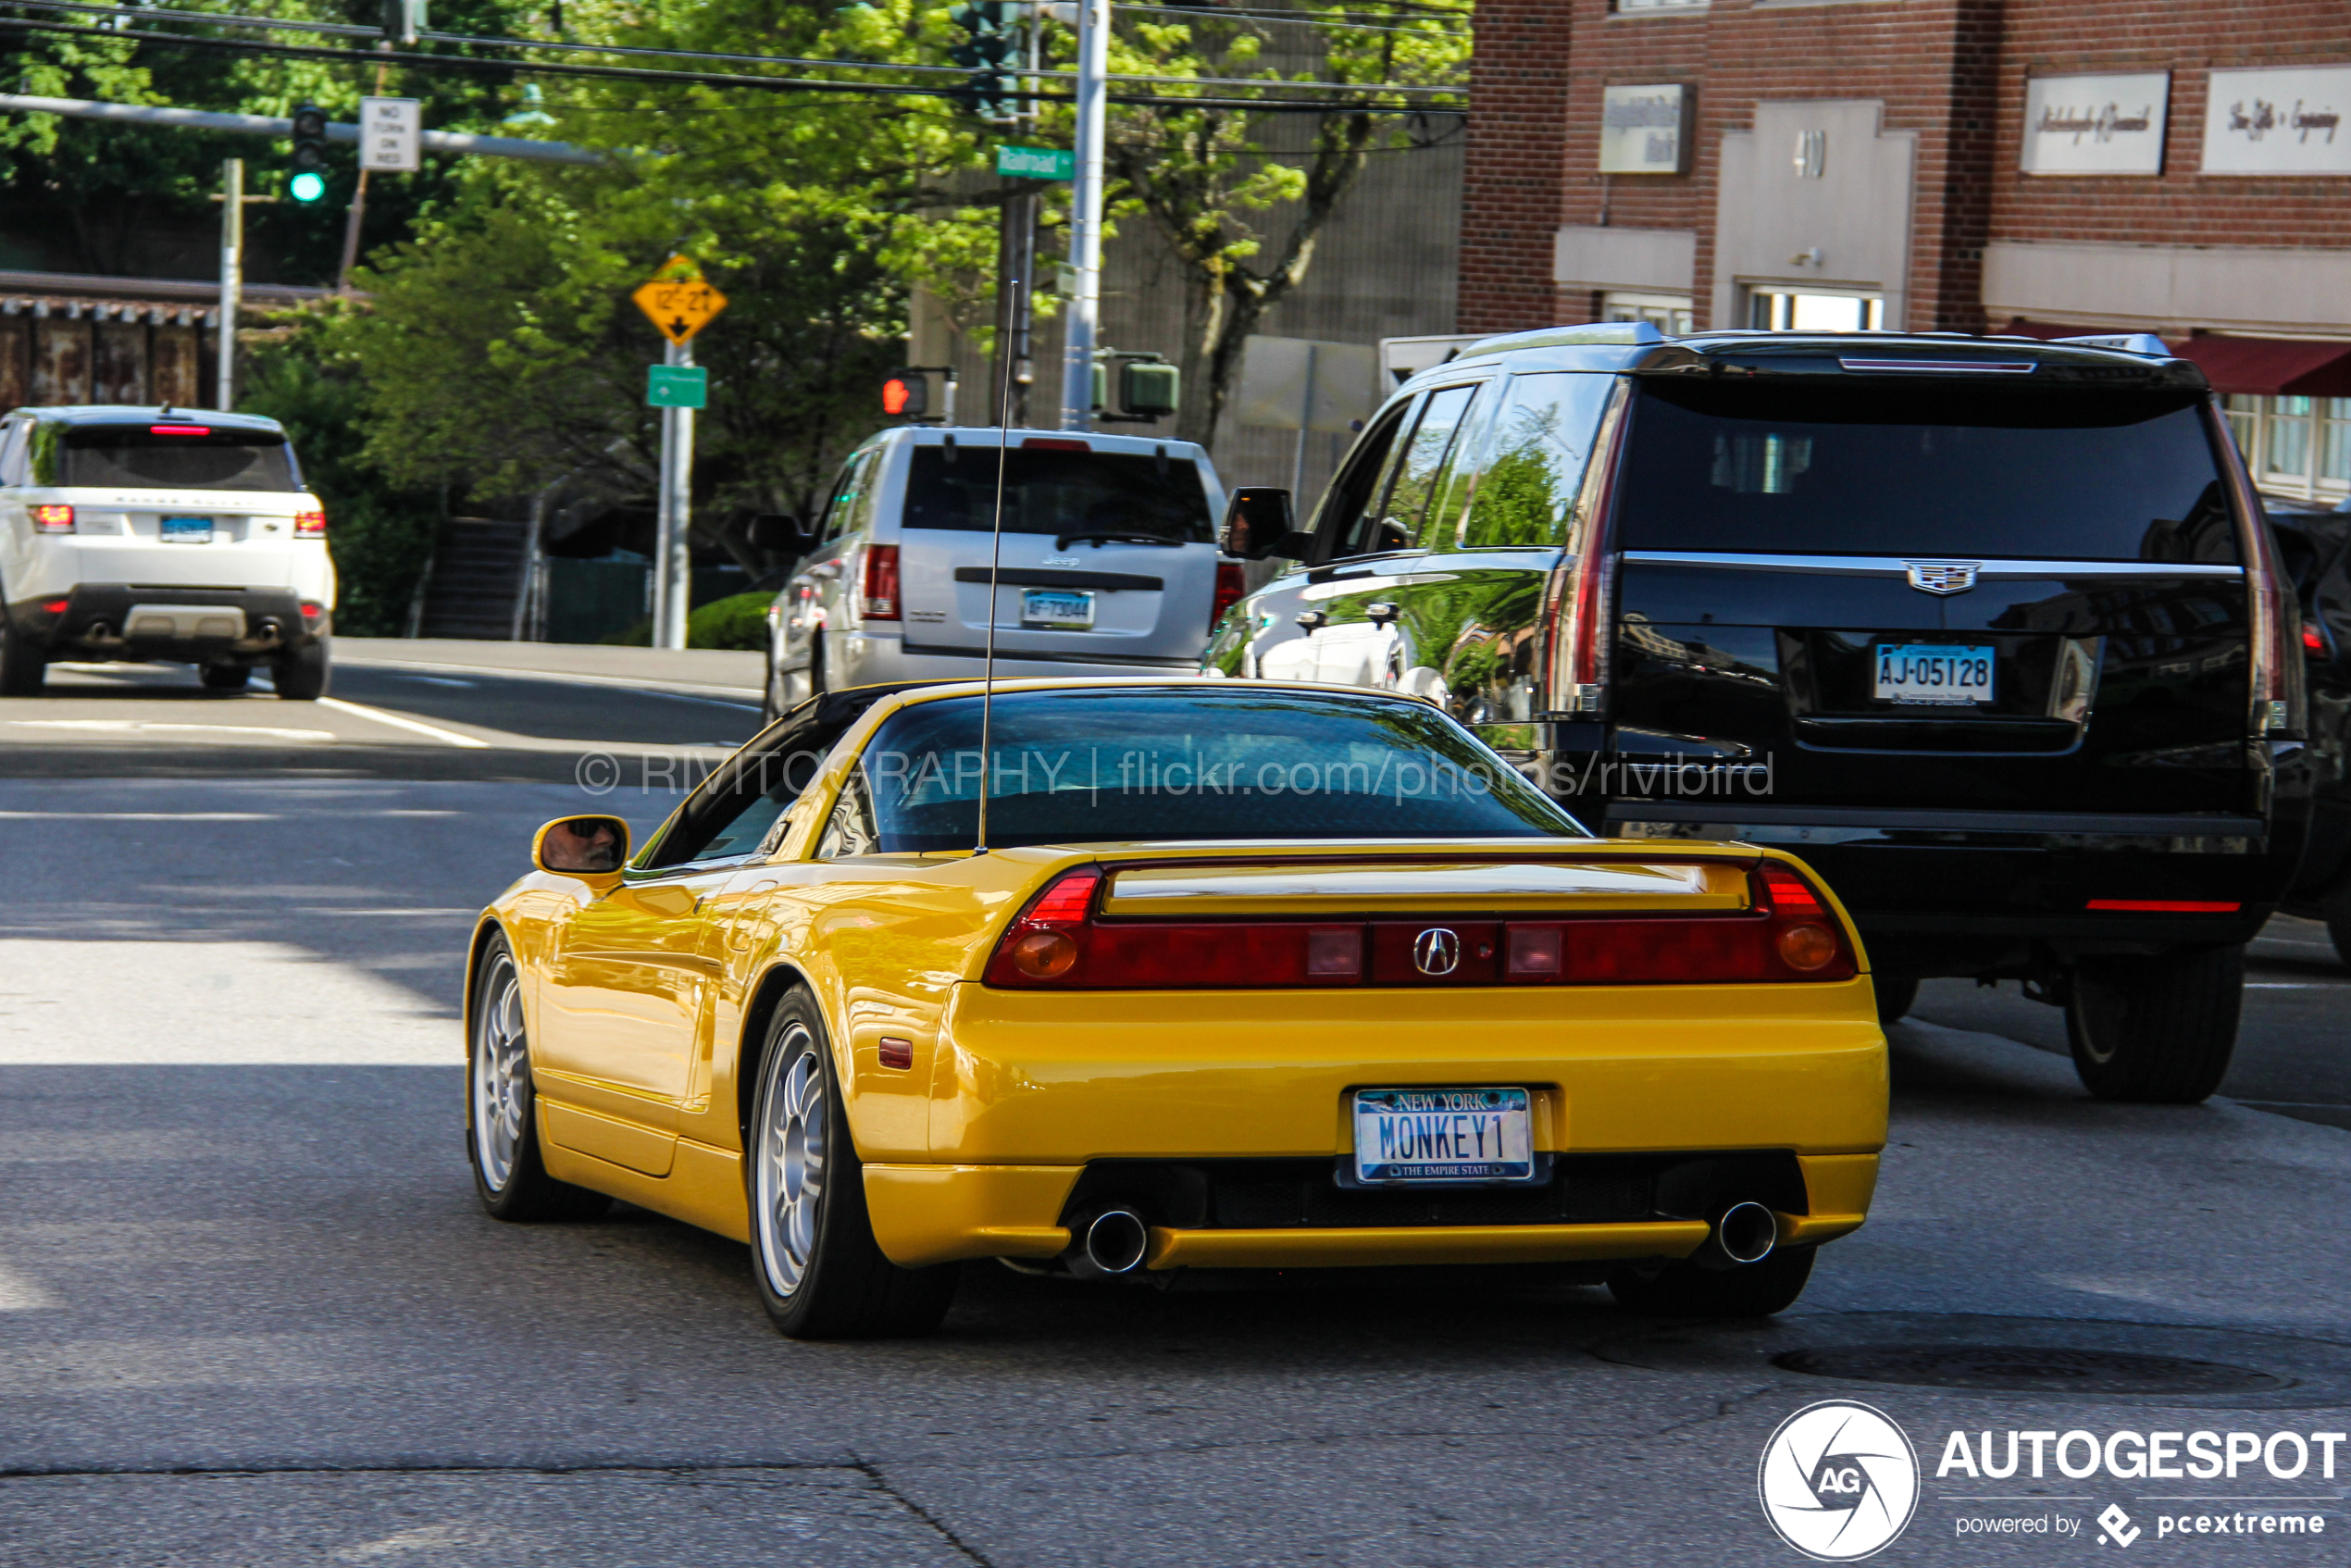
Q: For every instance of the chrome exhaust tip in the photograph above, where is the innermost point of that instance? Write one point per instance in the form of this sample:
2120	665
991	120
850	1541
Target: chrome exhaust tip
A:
1745	1233
1113	1244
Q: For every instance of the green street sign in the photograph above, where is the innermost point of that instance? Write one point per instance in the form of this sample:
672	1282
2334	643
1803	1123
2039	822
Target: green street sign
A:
677	386
1036	163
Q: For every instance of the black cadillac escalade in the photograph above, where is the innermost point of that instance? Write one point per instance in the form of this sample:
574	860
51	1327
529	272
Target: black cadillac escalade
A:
1990	630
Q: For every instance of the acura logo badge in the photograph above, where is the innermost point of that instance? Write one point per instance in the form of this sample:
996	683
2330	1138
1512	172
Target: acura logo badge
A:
1436	951
1943	577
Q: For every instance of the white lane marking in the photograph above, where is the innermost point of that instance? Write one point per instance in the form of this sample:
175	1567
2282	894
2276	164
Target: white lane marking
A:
398	722
129	726
378	913
651	685
2295	986
140	816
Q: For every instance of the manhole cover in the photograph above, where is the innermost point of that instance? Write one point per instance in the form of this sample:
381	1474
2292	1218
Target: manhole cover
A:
2036	1369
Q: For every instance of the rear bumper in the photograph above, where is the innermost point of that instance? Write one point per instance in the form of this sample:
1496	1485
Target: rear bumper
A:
1972	892
104	621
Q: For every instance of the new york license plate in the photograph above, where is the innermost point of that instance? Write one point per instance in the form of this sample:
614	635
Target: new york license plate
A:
187	530
1936	674
1443	1135
1057	608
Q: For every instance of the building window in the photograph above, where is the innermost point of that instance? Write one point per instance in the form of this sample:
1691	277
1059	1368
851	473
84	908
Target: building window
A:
2297	447
1670	313
1660	5
1769	310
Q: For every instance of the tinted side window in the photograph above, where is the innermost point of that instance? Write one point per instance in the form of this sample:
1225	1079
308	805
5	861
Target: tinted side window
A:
1415	484
2068	473
852	507
12	444
1347	517
178	457
1054	491
1533	460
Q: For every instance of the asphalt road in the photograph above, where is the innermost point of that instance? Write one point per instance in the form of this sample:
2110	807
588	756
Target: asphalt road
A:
250	1315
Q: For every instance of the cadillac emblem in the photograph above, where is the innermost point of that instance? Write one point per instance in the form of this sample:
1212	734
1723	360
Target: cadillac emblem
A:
1943	577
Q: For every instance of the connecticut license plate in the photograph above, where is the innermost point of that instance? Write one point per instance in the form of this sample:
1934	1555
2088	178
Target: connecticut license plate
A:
1936	674
1058	607
1440	1135
187	530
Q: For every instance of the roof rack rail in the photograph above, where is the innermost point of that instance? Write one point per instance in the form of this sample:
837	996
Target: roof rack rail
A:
1613	334
2127	343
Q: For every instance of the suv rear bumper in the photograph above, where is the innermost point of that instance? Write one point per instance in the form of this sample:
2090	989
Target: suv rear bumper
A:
1973	892
102	621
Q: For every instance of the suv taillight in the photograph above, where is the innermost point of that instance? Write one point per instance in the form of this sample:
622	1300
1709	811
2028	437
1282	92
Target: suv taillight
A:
881	583
310	525
1060	943
53	519
1230	585
2276	662
1582	618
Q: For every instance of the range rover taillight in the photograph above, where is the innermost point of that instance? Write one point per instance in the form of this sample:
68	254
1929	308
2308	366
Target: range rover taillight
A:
310	525
52	519
1062	942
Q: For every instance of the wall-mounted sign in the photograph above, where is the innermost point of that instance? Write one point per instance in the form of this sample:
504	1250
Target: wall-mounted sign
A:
2095	124
1645	130
2282	121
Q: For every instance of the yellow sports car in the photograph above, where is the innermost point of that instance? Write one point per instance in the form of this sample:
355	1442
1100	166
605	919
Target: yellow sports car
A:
1246	976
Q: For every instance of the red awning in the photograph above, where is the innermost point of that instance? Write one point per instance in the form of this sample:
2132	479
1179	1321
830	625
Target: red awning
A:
2261	367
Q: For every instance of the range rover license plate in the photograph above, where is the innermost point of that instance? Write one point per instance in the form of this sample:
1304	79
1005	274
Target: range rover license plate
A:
187	530
1057	608
1413	1136
1936	674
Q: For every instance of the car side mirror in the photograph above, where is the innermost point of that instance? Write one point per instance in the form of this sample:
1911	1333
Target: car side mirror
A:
581	846
778	533
1259	525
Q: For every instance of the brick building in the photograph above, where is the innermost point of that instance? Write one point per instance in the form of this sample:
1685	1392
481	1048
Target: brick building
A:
2033	166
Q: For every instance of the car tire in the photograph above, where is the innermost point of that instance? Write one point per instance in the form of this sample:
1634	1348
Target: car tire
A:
1687	1290
301	674
225	677
2336	910
501	1122
816	664
1897	994
24	665
814	1260
2157	1030
772	705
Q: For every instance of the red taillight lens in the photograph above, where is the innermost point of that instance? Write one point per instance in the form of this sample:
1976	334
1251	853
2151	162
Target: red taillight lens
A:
53	519
310	525
57	607
1229	589
881	583
1045	944
2312	639
1582	622
2276	670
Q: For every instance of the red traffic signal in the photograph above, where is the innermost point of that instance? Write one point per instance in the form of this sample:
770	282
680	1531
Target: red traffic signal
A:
905	394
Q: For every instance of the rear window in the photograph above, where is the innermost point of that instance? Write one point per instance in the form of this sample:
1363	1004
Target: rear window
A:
1093	766
1932	470
164	456
1057	493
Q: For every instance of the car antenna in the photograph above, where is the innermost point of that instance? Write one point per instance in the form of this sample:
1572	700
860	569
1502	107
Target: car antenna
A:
995	561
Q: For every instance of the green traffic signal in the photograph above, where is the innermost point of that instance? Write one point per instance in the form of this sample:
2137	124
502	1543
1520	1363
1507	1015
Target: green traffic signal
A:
307	178
307	186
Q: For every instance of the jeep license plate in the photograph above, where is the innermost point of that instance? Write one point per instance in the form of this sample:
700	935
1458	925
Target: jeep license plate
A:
1058	608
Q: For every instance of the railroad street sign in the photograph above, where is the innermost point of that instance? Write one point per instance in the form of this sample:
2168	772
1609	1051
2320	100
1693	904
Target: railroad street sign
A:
677	301
391	136
677	386
1036	163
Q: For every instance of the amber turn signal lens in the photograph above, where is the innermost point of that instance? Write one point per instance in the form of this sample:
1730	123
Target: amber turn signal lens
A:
1807	947
1044	955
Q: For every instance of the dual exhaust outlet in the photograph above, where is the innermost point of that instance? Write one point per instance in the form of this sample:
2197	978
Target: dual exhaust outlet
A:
1114	1241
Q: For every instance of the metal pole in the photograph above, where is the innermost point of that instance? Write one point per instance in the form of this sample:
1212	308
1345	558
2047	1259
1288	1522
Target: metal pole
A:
1015	257
673	559
232	278
1086	216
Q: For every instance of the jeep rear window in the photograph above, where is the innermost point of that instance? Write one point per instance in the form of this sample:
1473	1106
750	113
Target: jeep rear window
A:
1057	492
157	455
1976	471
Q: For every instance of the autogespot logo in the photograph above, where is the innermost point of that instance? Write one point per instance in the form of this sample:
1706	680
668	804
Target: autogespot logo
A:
1838	1480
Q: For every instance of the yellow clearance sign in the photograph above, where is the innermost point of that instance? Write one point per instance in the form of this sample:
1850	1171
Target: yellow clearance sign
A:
677	300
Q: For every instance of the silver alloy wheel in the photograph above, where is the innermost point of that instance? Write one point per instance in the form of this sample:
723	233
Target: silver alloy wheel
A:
501	1077
789	1181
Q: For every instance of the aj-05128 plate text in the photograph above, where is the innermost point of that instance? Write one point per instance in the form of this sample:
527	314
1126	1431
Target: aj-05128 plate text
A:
1443	1135
1936	674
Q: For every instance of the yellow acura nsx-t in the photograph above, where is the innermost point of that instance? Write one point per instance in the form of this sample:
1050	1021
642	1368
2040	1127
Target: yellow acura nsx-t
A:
1246	976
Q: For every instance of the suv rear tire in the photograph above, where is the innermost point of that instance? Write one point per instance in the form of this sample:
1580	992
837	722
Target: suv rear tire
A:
2157	1030
2336	910
301	674
24	665
1897	994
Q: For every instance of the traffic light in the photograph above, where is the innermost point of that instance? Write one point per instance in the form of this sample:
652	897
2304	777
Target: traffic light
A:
993	48
905	394
306	178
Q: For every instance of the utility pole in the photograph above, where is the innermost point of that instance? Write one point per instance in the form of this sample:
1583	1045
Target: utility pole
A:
1086	216
232	278
673	559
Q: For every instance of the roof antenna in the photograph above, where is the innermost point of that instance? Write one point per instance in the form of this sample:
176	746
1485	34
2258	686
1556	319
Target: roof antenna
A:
995	560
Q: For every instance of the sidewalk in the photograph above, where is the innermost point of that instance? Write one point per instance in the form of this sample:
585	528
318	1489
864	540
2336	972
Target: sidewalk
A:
714	670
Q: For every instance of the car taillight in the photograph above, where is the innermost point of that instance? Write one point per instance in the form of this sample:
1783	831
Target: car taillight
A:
2276	664
53	519
1582	620
881	583
1229	589
1060	943
310	525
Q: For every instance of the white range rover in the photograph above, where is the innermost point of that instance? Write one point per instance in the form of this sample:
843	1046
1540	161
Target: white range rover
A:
170	534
